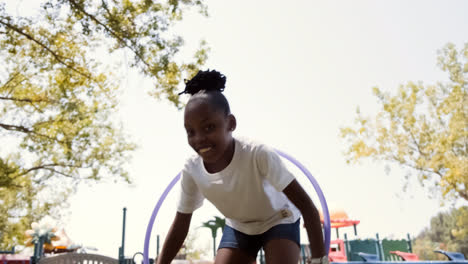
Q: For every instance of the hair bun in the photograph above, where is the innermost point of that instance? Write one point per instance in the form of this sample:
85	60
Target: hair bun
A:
205	80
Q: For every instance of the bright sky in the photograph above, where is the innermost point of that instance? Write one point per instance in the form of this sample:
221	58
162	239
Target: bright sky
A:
295	74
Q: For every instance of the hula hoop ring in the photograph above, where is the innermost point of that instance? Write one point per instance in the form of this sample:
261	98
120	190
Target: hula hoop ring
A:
323	203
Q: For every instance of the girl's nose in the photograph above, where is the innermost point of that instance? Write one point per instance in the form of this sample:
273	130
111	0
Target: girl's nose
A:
200	138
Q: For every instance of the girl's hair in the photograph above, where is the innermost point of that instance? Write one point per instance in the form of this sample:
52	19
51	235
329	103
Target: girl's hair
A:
208	84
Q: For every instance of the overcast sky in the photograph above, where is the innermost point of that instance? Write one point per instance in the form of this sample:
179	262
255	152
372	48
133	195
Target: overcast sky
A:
295	74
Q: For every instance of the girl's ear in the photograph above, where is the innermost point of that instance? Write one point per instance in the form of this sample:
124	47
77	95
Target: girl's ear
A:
232	123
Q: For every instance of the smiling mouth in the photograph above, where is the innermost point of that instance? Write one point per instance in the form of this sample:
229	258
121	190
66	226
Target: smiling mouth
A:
204	150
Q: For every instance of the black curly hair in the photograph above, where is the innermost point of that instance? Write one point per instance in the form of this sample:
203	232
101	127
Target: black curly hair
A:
210	85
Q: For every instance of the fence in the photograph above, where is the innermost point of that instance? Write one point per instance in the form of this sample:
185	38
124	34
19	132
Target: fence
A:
378	247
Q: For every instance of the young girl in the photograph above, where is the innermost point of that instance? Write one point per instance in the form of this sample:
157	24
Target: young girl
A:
246	181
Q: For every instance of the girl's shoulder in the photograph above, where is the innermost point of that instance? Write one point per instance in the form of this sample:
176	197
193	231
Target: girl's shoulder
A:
192	162
247	143
251	145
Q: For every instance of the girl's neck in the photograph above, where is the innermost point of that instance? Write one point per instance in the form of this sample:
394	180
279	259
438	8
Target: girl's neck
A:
224	161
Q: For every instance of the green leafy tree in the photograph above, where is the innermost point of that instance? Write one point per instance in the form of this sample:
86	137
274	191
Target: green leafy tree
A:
58	93
447	231
421	127
424	248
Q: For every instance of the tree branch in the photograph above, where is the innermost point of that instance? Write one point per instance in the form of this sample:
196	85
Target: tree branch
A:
58	172
11	79
416	143
412	166
53	53
16	128
113	33
104	5
26	100
47	167
27	131
464	195
440	121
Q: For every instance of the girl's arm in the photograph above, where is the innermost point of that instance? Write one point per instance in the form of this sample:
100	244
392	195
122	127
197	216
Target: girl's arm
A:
175	238
298	196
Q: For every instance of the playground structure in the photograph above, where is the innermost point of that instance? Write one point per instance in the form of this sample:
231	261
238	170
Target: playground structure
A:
367	249
356	251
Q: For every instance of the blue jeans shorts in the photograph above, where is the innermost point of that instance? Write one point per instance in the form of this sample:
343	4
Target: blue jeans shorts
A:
252	243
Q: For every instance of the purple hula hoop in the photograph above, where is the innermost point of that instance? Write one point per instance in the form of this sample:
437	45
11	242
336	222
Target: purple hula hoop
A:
323	203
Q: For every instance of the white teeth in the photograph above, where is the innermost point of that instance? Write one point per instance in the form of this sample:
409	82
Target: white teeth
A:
203	150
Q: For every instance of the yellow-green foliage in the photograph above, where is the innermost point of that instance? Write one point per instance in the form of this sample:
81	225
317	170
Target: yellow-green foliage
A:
423	127
424	248
193	249
57	95
447	231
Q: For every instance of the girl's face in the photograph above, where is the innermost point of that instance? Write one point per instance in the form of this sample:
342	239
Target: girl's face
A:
209	133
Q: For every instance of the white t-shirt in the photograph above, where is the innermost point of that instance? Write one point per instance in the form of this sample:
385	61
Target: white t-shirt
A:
248	192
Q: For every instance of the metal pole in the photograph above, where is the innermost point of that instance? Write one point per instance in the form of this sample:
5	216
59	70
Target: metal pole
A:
123	233
38	250
34	257
214	246
41	246
120	256
348	247
380	252
381	249
410	248
157	246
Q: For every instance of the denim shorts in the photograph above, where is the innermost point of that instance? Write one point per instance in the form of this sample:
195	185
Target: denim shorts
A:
252	243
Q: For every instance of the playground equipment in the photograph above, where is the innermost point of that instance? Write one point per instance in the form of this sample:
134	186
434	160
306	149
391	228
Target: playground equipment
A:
451	255
369	250
406	256
342	251
339	219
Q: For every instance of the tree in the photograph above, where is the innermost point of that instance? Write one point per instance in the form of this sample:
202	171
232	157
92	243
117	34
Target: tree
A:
445	232
422	127
193	250
57	96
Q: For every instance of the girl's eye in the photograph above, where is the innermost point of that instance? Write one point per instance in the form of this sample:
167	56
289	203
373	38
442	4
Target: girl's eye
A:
189	133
